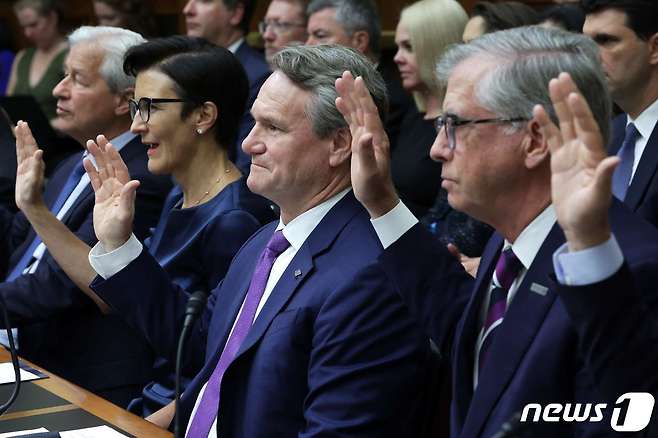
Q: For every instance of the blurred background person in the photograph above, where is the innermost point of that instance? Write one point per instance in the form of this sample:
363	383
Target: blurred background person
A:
189	95
36	70
566	16
284	24
6	56
133	15
425	30
490	17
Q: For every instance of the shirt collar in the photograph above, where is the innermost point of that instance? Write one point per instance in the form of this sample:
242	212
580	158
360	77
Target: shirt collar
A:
298	229
646	121
532	237
235	46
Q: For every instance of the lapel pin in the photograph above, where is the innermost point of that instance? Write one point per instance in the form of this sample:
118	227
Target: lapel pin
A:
539	289
298	273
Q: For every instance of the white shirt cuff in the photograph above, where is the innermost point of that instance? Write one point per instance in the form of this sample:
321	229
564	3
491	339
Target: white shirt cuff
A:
391	226
588	266
106	264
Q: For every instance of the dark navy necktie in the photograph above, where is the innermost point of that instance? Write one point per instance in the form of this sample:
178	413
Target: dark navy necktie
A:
67	189
621	179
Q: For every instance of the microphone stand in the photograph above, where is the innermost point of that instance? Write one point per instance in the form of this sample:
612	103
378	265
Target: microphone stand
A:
14	359
195	305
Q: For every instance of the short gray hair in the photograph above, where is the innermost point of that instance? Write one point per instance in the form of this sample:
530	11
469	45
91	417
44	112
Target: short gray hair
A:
316	68
527	58
353	16
114	42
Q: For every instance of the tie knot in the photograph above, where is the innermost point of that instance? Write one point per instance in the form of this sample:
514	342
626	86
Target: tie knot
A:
631	133
278	243
507	268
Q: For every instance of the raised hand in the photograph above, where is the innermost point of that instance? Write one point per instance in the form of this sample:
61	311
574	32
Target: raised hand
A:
581	181
115	194
371	175
29	171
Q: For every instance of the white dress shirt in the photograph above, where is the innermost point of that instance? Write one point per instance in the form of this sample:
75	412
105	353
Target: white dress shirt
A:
296	232
645	124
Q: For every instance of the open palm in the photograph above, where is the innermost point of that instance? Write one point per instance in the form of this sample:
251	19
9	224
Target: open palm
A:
115	194
30	169
581	170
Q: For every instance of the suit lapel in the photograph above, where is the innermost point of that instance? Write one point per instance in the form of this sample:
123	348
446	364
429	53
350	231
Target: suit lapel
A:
468	330
301	267
522	321
644	173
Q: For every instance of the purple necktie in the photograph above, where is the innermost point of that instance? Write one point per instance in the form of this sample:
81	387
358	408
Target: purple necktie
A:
507	269
621	179
209	404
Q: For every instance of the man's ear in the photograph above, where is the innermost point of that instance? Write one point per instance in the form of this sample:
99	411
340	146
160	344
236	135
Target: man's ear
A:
535	146
340	147
121	99
653	49
206	116
361	41
236	14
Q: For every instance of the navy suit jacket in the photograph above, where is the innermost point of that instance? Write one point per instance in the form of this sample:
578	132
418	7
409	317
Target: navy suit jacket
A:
61	329
257	71
333	351
537	355
642	195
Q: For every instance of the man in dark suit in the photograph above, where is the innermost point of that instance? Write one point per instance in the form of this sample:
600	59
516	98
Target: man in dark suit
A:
626	32
356	24
507	332
226	23
302	339
59	327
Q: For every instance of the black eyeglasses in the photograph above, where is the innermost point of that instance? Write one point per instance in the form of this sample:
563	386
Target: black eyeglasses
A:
143	106
450	122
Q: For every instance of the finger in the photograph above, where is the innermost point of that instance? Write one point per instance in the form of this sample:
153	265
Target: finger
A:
345	88
559	90
106	146
99	157
117	163
587	129
603	175
92	173
452	249
127	196
549	130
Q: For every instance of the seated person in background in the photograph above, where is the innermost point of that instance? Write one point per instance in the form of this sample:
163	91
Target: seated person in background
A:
189	96
38	69
514	342
284	24
569	17
302	340
6	56
133	15
226	23
490	17
59	327
356	24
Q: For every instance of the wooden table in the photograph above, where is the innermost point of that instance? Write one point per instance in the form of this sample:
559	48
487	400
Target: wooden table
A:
79	398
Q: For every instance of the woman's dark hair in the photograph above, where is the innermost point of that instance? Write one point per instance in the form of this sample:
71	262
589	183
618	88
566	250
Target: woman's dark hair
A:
569	16
201	72
505	15
135	14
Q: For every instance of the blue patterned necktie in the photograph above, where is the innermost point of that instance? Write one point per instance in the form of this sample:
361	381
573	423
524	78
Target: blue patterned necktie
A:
72	181
621	179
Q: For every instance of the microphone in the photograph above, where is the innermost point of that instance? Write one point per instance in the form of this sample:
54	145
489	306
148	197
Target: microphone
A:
14	359
195	305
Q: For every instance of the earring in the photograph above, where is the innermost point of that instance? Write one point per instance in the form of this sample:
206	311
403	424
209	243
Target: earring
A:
199	131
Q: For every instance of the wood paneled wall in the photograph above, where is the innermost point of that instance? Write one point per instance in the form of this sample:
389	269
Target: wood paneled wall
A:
169	17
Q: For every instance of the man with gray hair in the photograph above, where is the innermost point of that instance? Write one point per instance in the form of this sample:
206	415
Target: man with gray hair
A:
517	341
301	338
60	328
356	24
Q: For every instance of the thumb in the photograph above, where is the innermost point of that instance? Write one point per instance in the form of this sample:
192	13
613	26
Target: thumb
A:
603	174
127	195
454	251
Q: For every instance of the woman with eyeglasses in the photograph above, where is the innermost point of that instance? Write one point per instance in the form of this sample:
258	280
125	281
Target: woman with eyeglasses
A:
189	98
425	29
